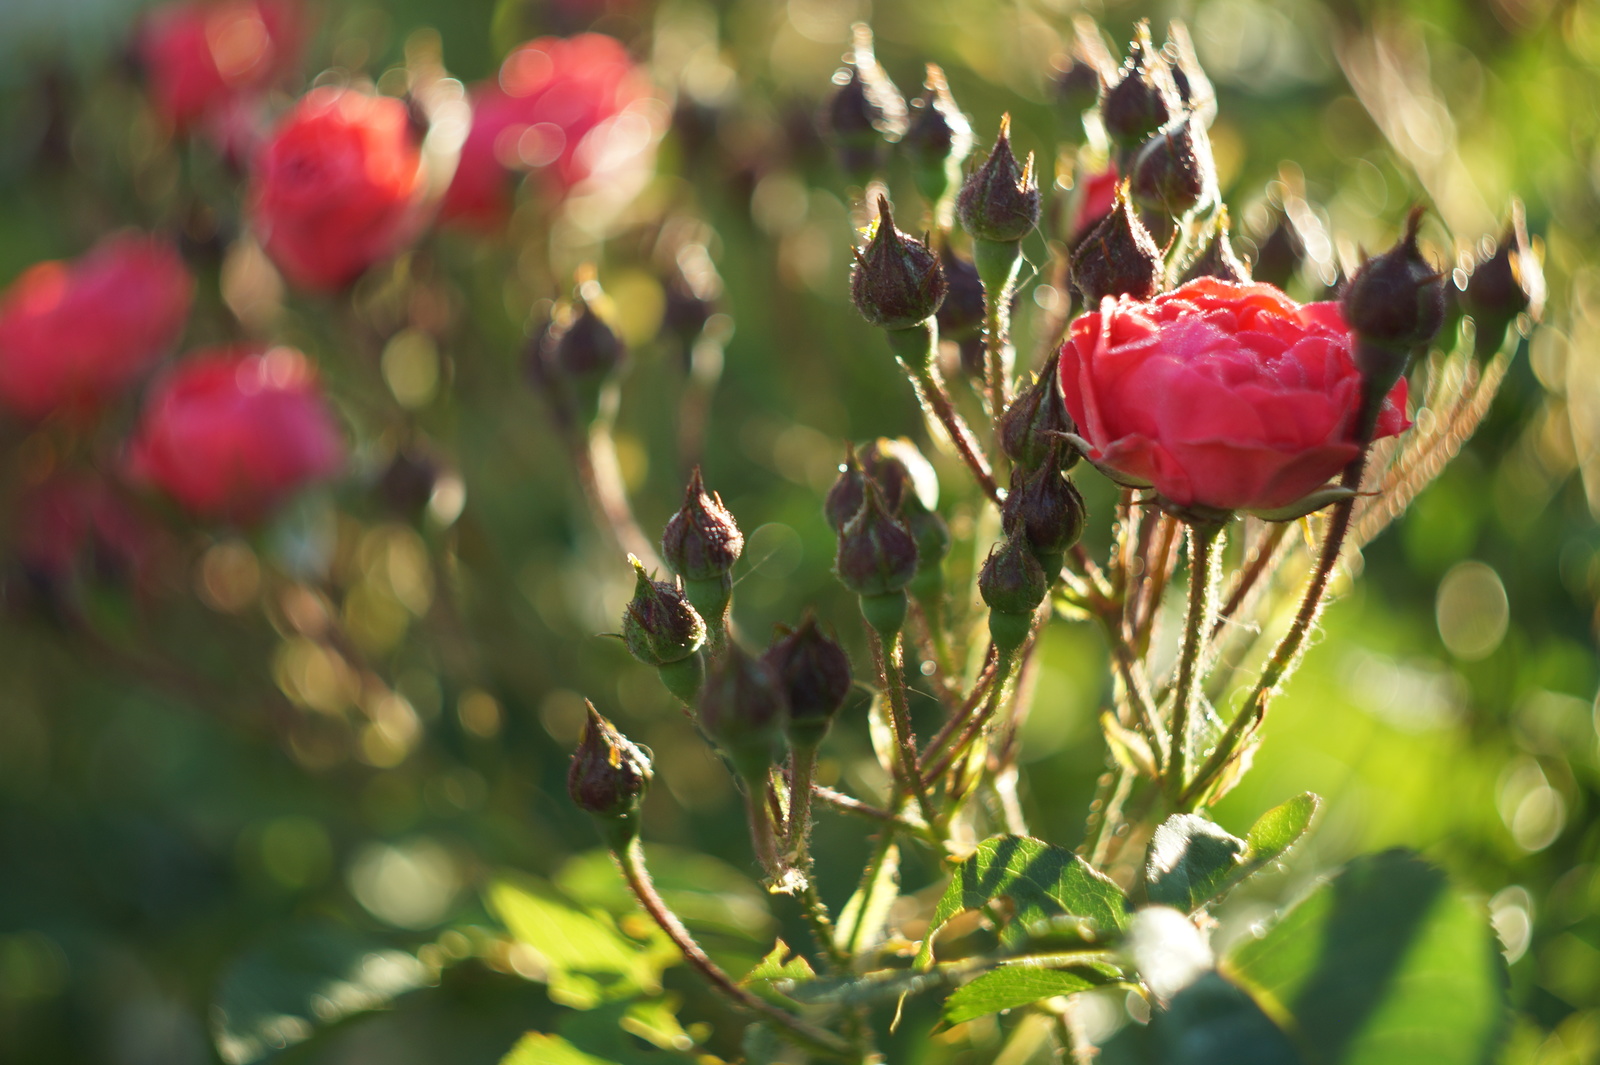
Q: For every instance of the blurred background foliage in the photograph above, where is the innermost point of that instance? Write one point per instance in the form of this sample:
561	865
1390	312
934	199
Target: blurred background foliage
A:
211	797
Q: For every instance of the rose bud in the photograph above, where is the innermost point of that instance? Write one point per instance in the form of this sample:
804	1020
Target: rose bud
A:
814	672
1508	280
72	335
585	348
1000	201
407	483
228	434
1012	584
1142	98
1217	258
848	492
1220	396
658	625
338	187
877	558
1394	304
701	541
1029	427
1118	257
1174	172
1045	509
742	710
938	138
1195	91
896	283
960	316
1279	254
608	778
1078	83
866	111
901	472
201	58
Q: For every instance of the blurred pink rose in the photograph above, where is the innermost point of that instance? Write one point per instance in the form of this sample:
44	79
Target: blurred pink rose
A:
1099	194
202	57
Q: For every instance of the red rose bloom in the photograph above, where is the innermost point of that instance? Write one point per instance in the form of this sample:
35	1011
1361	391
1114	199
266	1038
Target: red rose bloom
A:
1099	196
1221	395
201	57
229	434
73	334
554	109
337	187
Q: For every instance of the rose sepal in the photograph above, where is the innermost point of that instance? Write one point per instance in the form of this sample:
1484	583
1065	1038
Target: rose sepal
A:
1089	451
1322	497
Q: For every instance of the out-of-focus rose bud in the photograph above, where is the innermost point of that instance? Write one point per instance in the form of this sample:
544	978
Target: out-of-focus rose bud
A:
75	529
1394	304
1188	77
407	483
902	472
608	778
1045	509
814	672
896	283
742	710
338	187
74	334
1000	201
1078	83
1174	172
1507	280
866	112
230	434
1012	584
1118	257
1217	258
202	58
1280	253
877	554
584	347
658	624
960	316
1142	98
1029	427
938	139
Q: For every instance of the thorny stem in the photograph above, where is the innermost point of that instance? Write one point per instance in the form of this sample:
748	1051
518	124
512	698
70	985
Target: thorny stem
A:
851	805
1158	570
960	717
977	721
822	930
890	672
936	401
760	821
1260	561
1139	695
1202	571
630	860
802	766
594	461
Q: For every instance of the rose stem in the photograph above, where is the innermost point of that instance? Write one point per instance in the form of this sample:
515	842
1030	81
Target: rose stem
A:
959	718
997	263
1202	573
1261	556
851	805
630	860
915	348
886	656
822	930
802	767
760	821
594	460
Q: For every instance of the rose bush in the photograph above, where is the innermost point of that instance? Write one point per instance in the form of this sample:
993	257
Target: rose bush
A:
73	334
201	57
1222	395
230	433
338	187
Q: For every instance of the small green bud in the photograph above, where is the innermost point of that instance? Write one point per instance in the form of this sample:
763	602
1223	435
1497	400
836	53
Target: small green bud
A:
742	710
701	541
897	282
814	673
609	775
877	554
659	626
1000	201
1117	257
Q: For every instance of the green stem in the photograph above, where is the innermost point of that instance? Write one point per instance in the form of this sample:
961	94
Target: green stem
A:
760	821
914	349
1197	625
822	930
997	263
886	656
803	766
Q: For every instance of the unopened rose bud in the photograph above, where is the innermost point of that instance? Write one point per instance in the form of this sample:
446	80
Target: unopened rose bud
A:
1045	509
896	283
608	778
848	492
1394	304
1078	83
658	625
901	471
1029	427
866	111
1506	282
1012	584
701	541
814	673
1118	257
1195	91
742	710
938	139
1279	254
1174	172
407	483
1217	258
877	554
1000	201
585	348
960	316
1142	97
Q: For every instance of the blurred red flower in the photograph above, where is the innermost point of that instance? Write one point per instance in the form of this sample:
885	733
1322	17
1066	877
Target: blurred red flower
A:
556	105
338	187
1221	395
73	334
77	525
1099	195
229	434
202	57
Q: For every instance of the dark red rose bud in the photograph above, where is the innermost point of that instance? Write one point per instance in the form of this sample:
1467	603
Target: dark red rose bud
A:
1195	91
1508	280
609	777
897	282
658	625
961	314
902	472
1045	509
1174	172
1079	81
701	541
1000	202
938	139
877	554
742	710
1029	427
1280	253
849	491
584	347
407	483
1217	258
1142	98
1396	299
1013	584
1118	257
866	111
814	673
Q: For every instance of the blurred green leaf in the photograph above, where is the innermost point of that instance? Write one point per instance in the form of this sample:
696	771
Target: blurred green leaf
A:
861	922
640	1032
1040	880
1188	861
305	978
707	894
1017	985
781	963
536	1048
1385	964
1210	1022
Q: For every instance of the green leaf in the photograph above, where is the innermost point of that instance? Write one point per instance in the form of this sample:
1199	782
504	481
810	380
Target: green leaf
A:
1386	964
586	959
1280	828
308	977
640	1032
536	1048
1210	1022
781	963
709	895
1040	880
861	922
1017	985
1188	862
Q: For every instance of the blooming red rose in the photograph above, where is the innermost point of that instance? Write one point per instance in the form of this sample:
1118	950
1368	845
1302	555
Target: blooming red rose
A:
560	107
1098	197
201	57
230	434
338	187
1221	395
73	334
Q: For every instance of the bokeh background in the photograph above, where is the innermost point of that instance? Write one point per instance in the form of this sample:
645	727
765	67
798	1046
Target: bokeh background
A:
201	798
